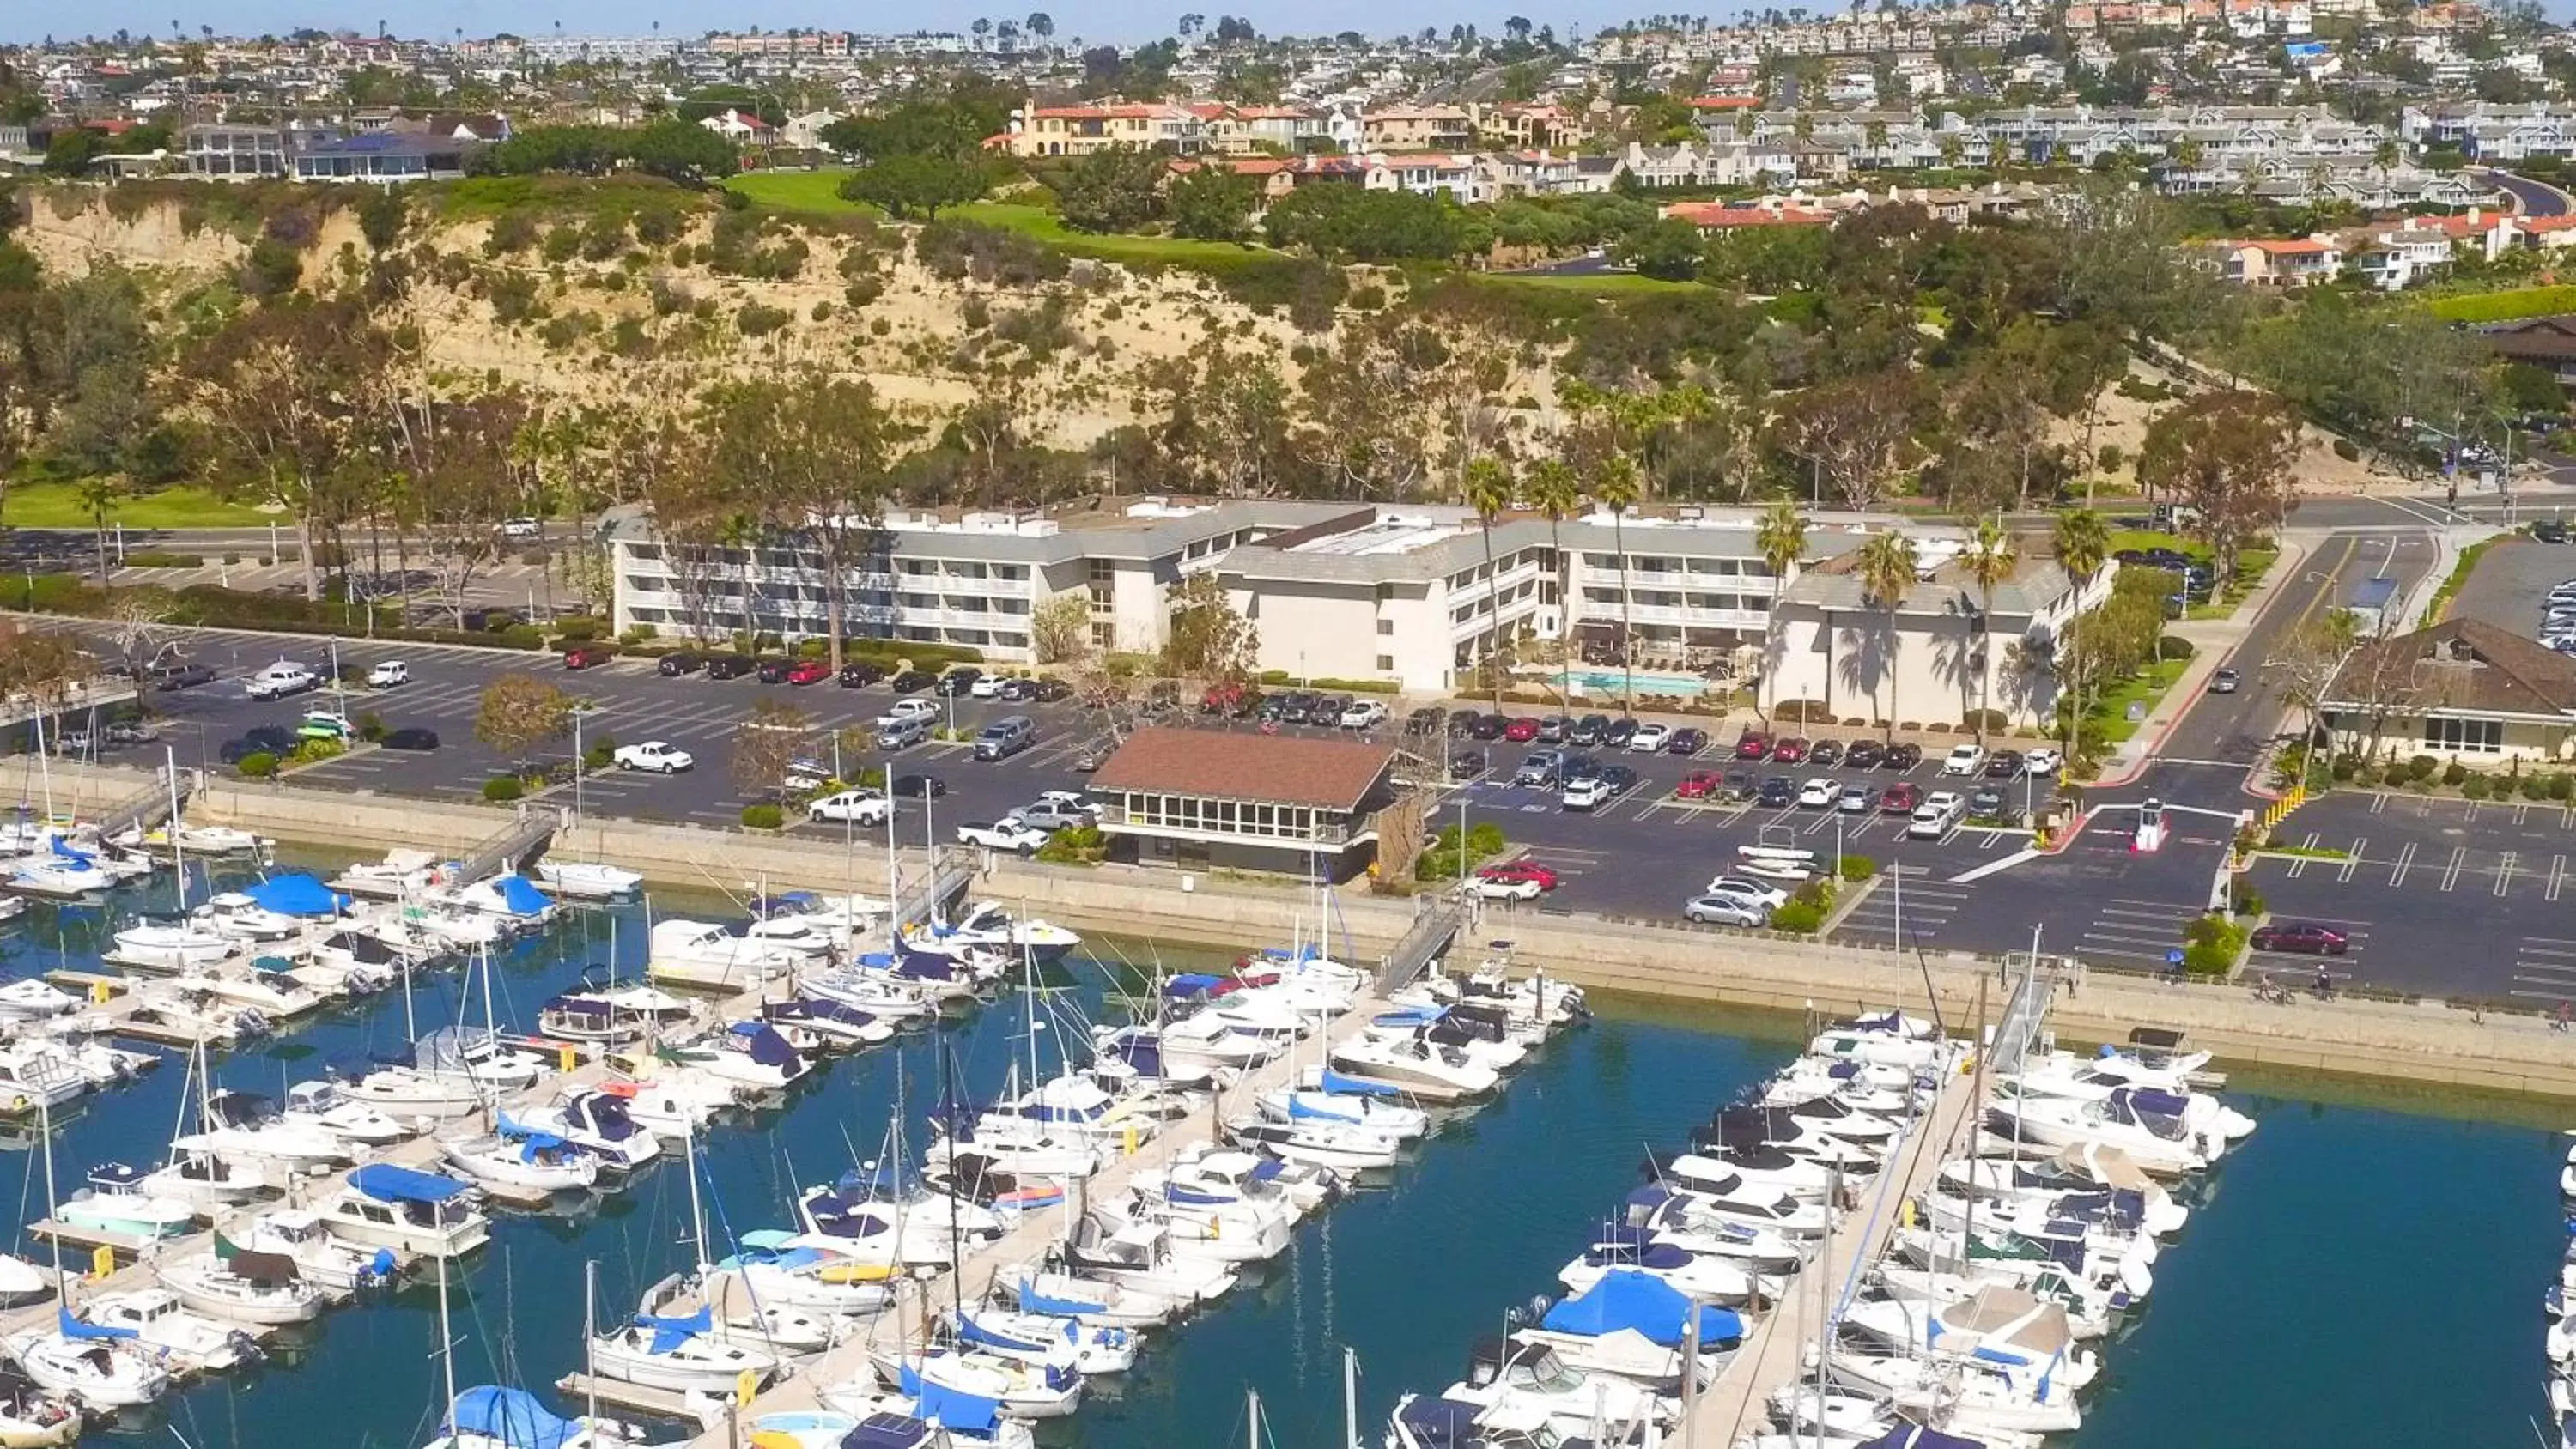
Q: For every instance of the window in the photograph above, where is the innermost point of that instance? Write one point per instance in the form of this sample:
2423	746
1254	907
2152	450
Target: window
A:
1386	664
2474	736
1385	627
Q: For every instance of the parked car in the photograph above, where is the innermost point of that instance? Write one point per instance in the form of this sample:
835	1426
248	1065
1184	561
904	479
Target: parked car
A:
2004	765
958	681
587	656
411	737
1016	691
1987	803
1583	793
1522	730
904	710
1686	742
1699	785
1825	752
860	673
521	530
1619	778
658	756
1741	784
1901	798
808	671
1902	757
730	666
325	724
1496	888
1588	730
392	674
1466	764
1544	877
1462	722
2305	937
851	807
1964	761
1539	767
1011	835
1863	755
1751	745
2042	761
1489	727
263	740
1857	798
775	671
181	675
1230	701
1053	815
1048	691
1791	751
1818	794
1621	731
1761	892
281	679
1778	791
679	662
1934	817
1649	739
914	680
1725	911
1551	730
988	686
918	787
1368	714
1423	721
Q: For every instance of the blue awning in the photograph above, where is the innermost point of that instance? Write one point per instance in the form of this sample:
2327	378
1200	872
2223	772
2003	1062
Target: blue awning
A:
952	1408
297	895
511	1417
522	897
1644	1303
388	1183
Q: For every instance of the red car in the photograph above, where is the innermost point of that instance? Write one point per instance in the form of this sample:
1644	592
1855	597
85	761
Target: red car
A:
1521	731
2306	936
1900	799
1514	872
1789	751
809	671
1698	785
585	656
1751	746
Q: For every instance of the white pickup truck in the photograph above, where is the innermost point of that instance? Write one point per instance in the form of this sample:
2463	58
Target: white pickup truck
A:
655	755
282	679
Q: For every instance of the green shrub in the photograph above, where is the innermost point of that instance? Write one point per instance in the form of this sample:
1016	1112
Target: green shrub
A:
2561	787
2534	788
763	817
258	765
2345	767
1485	840
1075	845
523	636
502	789
371	727
2474	787
2174	646
1798	918
2455	773
2248	900
1858	868
2208	960
2347	449
2369	774
2422	767
154	559
315	750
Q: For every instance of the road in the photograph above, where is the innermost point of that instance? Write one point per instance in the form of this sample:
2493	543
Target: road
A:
2537	198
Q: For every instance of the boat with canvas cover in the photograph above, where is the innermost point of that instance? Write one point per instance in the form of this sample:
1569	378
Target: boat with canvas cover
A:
1023	1391
1042	1339
785	1270
322	1259
1635	1325
825	1026
678	1353
191	1343
596	1122
99	1366
1533	1376
523	1159
489	1417
1084	1300
1703	1276
1997	1325
321	1104
1326	1095
424	1214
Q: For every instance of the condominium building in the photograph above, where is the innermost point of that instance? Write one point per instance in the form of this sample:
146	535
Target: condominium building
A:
1081	130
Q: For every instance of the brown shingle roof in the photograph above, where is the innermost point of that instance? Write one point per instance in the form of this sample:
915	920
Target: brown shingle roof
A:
1242	765
2459	664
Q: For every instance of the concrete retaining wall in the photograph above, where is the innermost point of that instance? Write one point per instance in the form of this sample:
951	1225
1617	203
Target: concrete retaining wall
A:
2422	1043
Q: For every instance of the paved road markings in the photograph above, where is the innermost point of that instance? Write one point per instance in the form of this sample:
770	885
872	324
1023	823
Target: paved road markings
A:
2557	876
2471	813
2299	864
2405	860
2451	873
2521	808
2352	860
2378	801
2504	872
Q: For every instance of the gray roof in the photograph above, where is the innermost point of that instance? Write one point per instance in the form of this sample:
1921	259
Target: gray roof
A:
2036	585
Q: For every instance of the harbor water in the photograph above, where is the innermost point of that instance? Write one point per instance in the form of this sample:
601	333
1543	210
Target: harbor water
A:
2364	1272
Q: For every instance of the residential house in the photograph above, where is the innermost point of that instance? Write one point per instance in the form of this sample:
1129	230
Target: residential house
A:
2462	690
742	128
1723	216
2543	342
2395	258
1081	130
2303	262
1417	128
233	152
383	156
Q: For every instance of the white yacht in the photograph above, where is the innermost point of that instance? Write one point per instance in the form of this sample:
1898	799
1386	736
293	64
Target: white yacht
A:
104	1368
173	946
320	1258
37	1072
533	1161
1024	1391
708	956
2151	1128
269	987
192	1342
419	1213
613	1014
596	1122
588	880
322	1104
1434	1073
247	1126
747	1053
986	923
237	916
680	1354
402	875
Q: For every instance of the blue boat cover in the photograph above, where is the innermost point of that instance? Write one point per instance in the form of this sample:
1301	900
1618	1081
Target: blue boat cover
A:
767	1047
509	1416
974	1332
73	1328
950	1408
271	963
522	896
1915	1436
2163	1104
1191	983
388	1183
1334	1081
670	1333
1644	1303
64	850
887	1431
297	894
1032	1301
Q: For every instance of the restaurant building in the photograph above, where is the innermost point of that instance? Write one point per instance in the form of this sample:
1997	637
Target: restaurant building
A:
1203	799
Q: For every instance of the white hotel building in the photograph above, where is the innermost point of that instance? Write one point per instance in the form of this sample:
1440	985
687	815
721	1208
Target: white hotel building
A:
1336	590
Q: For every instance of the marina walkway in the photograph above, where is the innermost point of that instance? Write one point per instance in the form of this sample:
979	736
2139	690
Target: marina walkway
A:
1774	1351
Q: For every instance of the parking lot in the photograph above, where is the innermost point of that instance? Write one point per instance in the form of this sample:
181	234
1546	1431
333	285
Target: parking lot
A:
2445	897
2511	578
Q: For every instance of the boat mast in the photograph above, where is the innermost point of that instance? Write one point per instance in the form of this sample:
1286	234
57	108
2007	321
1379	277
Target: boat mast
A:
178	852
446	1349
1351	1397
1251	1417
956	1252
697	1208
590	1338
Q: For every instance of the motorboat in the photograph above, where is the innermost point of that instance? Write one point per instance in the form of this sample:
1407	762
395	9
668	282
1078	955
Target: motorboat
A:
746	1053
785	1270
1534	1376
108	1208
1639	1327
1087	1301
1329	1097
403	874
1340	1147
489	1417
353	961
102	1064
2062	1074
933	1417
1997	1325
2093	1310
322	1104
22	1282
671	1101
596	1122
529	1161
191	1342
1675	1220
200	1179
247	1125
1075	1104
236	915
511	899
613	1014
986	923
319	1258
1885	1049
2151	1128
173	946
679	1353
1427	1070
211	840
1707	1277
193	1018
38	1073
1043	1339
1428	1423
588	880
101	1367
1207	1173
35	999
2027	1263
424	1214
269	987
1782	1130
1024	1391
62	873
1972	1395
1134	1055
1763	1169
829	1025
884	1183
708	956
32	1418
1716	1202
1218	1228
447	1073
1139	1255
1209	1041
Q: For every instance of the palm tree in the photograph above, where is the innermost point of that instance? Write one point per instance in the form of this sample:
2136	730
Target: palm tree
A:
1781	537
1552	491
2082	544
1989	561
1886	575
1616	489
1487	488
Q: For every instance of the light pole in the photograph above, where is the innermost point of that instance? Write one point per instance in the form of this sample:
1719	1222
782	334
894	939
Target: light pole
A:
580	711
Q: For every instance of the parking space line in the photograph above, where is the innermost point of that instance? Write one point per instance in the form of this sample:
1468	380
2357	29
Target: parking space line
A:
2378	802
2405	861
2352	860
2299	865
2521	808
2504	872
2451	873
2557	876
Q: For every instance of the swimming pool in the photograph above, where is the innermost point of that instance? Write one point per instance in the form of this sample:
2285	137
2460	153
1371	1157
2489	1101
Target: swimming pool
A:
1612	681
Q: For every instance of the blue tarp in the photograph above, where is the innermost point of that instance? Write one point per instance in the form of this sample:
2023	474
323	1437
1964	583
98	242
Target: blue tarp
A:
1333	1081
297	895
1191	983
64	849
952	1408
1915	1436
766	1046
509	1416
1032	1301
522	897
670	1333
73	1328
1645	1303
388	1183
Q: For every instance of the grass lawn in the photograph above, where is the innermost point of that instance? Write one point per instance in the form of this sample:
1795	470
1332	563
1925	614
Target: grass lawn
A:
814	191
59	505
2110	713
2458	580
1594	284
1046	226
2251	566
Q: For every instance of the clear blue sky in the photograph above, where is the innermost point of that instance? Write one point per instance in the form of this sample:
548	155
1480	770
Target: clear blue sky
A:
1124	20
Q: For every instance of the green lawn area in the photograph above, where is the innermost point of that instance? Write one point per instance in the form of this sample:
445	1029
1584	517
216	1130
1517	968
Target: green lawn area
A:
2251	566
814	191
59	505
2111	712
1594	284
2504	306
2458	580
1046	226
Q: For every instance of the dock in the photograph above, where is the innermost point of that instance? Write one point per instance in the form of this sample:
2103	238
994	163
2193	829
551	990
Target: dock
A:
1438	924
149	806
952	870
511	846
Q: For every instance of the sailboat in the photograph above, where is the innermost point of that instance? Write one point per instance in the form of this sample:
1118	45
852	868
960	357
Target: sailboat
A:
101	1367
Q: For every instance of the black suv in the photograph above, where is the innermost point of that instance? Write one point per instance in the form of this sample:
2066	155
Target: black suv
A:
913	681
679	662
1423	721
1621	731
264	740
730	666
1903	757
1588	730
1462	723
774	671
1779	790
956	682
1864	755
860	673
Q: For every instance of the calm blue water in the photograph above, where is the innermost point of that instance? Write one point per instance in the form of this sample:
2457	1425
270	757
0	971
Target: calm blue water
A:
2361	1276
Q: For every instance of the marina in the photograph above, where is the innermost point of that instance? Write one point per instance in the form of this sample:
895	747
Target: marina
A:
1528	1174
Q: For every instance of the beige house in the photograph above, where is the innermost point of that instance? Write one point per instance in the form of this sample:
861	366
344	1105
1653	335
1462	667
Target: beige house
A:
1417	128
2459	690
1081	130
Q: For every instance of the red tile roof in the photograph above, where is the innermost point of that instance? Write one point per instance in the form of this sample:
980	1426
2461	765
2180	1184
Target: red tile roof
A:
1243	765
1716	215
1724	103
